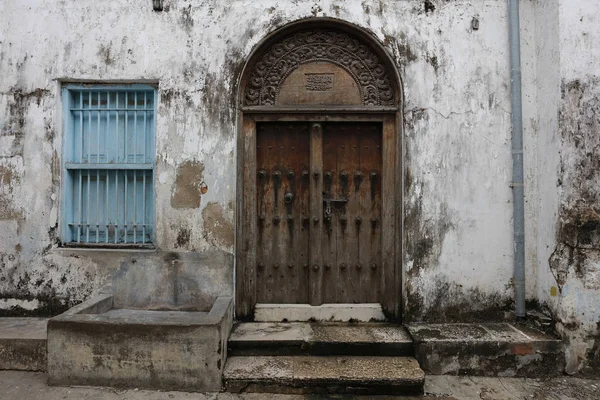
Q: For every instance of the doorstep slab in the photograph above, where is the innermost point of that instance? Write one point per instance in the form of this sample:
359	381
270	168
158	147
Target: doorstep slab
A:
293	338
491	349
326	312
324	374
23	343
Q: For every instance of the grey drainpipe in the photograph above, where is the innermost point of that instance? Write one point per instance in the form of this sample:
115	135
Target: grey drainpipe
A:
517	158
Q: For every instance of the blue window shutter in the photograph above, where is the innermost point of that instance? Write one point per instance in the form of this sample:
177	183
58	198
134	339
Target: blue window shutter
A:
109	165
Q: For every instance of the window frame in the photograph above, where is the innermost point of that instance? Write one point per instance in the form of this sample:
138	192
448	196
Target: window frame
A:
66	205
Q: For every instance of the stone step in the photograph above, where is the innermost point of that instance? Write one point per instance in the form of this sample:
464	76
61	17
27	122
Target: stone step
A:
366	312
489	349
324	374
297	338
23	343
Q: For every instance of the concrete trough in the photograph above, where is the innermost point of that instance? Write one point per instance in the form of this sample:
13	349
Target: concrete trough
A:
95	344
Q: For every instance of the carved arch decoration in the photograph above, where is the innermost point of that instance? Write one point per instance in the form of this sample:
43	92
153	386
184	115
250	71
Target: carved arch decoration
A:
317	46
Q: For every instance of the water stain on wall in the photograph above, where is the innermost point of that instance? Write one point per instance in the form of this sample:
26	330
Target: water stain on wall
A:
8	179
218	230
578	227
576	256
104	52
183	238
17	110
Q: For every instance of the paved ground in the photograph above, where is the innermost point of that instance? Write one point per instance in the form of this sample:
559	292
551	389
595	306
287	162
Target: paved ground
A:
15	385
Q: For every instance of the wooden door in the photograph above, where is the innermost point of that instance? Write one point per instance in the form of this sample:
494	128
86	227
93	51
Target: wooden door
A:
352	212
318	199
282	199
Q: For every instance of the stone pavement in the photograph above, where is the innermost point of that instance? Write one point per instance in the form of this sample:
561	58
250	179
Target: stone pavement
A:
17	385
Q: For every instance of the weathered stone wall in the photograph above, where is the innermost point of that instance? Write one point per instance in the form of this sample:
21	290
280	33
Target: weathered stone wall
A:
452	56
453	59
569	174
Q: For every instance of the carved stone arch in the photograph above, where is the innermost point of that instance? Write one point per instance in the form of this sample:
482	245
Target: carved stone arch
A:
311	46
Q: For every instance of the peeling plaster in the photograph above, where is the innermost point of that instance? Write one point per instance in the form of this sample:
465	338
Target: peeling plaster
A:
186	191
218	227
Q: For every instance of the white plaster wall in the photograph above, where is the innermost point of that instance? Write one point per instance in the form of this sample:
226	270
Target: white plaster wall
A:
548	145
458	222
458	233
529	83
569	243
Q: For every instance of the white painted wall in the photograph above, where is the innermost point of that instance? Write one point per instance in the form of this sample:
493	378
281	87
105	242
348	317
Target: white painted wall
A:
568	279
458	219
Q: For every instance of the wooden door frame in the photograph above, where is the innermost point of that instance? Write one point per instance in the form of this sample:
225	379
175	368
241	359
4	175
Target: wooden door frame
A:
393	133
392	198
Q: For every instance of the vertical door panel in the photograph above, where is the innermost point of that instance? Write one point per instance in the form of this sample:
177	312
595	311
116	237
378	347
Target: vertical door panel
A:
370	210
352	212
316	209
331	272
282	212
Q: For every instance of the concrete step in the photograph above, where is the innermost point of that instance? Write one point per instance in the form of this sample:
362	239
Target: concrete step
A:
297	338
324	374
23	343
490	349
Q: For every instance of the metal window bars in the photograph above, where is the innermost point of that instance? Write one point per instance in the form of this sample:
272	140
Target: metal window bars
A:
111	166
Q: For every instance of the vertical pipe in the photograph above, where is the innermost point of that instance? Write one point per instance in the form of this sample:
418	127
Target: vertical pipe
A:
517	158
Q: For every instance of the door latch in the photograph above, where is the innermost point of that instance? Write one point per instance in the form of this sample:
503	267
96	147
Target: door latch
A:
328	200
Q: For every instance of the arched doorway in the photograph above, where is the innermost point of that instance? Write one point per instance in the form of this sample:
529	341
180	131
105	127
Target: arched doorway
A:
319	171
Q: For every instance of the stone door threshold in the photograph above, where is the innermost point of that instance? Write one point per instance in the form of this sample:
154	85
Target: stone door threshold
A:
367	312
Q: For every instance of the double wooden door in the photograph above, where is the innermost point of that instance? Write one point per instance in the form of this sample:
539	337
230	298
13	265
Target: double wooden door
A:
318	212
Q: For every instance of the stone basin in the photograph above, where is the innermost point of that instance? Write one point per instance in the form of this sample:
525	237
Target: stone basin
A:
95	344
